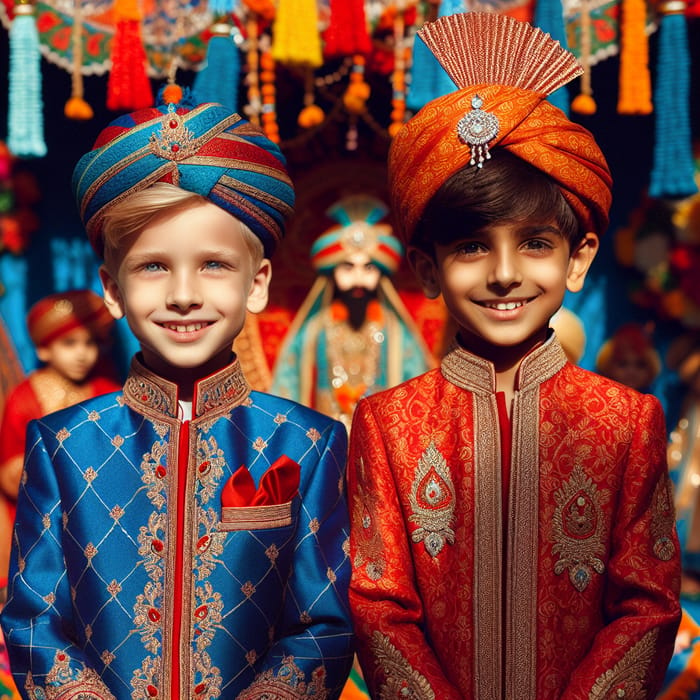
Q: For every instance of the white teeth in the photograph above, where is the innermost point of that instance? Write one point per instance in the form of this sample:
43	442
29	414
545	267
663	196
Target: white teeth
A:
506	306
182	328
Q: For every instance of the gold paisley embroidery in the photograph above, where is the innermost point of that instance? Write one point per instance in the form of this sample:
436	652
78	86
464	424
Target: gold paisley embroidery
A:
288	682
627	679
433	502
663	520
578	529
402	680
64	681
370	548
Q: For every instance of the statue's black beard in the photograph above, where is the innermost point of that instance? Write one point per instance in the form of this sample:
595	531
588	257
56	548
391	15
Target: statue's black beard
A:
356	300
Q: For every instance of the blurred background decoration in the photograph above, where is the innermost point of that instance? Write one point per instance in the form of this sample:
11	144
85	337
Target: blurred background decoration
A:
331	81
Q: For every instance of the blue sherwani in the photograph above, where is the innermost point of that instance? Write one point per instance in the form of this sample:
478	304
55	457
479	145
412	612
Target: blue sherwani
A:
129	579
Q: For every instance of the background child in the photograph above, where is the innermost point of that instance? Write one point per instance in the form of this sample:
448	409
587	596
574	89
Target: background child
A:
69	330
629	357
187	537
512	523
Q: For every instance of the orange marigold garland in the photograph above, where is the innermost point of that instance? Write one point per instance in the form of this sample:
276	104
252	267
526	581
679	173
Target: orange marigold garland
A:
268	92
254	106
635	79
402	54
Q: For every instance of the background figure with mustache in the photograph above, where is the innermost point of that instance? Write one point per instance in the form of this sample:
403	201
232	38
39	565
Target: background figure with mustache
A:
352	335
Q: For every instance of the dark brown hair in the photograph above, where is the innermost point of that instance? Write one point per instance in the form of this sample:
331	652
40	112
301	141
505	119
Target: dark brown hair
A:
506	189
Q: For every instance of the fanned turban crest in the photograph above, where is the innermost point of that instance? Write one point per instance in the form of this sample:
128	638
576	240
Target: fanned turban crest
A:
503	69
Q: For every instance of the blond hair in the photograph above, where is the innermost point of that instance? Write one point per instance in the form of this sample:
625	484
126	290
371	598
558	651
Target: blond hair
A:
125	220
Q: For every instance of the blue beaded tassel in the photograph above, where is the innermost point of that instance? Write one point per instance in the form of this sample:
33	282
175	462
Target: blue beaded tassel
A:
549	17
25	118
218	80
672	174
428	78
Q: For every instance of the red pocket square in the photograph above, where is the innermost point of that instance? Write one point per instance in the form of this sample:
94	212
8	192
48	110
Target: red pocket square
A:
279	484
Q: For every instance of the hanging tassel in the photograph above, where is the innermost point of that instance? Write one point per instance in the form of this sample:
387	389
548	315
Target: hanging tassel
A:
222	8
428	78
584	103
549	17
295	35
672	174
76	107
25	117
635	80
128	86
218	80
311	115
347	33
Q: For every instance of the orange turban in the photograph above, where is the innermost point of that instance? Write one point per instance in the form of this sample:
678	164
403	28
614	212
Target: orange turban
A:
512	67
58	314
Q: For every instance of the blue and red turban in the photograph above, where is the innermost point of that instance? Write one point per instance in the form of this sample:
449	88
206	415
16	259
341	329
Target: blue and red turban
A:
208	150
359	230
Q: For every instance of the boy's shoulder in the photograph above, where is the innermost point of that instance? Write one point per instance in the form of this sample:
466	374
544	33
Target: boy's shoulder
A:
291	409
88	407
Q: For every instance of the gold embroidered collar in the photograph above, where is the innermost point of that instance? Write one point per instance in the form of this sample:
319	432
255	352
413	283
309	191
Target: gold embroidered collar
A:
476	374
150	393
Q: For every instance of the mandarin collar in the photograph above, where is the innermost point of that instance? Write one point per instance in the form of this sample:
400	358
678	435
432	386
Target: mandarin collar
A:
149	393
477	374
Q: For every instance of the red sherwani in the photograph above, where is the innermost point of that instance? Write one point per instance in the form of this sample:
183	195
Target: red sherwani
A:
570	593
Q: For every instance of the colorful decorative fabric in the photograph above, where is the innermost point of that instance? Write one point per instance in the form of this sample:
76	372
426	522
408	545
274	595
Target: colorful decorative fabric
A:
58	314
359	230
207	149
593	567
429	148
240	604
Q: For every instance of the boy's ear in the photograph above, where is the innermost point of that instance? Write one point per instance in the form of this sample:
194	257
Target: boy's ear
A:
423	267
43	353
112	295
580	261
259	288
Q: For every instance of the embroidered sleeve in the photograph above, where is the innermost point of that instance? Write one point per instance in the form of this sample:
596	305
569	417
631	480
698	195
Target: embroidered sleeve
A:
630	654
395	655
38	617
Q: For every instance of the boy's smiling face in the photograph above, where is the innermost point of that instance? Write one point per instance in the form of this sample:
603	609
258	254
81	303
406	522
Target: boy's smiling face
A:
185	285
503	284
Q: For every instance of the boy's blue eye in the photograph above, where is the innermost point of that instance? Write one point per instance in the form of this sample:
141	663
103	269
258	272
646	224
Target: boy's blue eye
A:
212	264
152	267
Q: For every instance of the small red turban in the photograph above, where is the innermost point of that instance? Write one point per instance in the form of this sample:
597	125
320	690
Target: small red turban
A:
58	314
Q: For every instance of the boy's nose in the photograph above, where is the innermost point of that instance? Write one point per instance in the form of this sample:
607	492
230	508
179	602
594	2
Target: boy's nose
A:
504	271
184	292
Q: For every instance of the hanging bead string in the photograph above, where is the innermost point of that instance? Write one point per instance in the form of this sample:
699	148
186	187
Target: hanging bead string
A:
254	106
398	79
76	107
267	78
584	102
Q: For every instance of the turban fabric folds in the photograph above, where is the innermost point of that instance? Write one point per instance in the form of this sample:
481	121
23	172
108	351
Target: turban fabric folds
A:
359	230
208	150
58	314
511	69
